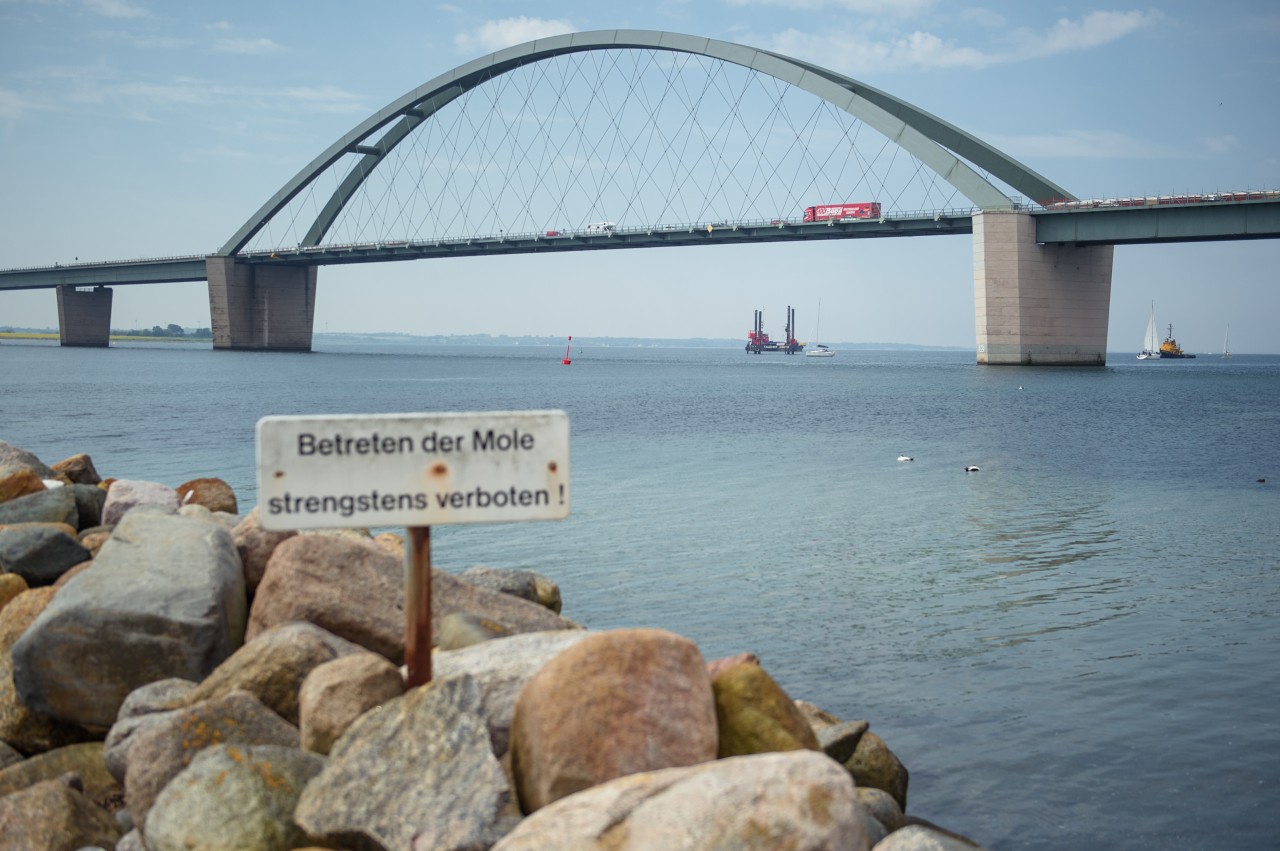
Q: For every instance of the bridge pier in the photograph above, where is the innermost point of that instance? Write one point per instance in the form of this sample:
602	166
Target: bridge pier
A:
84	317
262	308
1043	305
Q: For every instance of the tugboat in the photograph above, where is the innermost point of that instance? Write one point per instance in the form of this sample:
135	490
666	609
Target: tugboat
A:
1170	348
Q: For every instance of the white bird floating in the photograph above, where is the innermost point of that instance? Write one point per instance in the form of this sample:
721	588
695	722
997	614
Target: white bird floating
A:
905	458
972	468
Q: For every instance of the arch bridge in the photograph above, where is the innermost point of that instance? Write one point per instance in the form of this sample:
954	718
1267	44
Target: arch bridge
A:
631	139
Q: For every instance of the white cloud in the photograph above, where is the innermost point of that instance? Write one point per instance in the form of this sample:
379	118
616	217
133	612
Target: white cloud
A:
251	46
495	35
1094	29
1222	144
115	9
901	8
12	105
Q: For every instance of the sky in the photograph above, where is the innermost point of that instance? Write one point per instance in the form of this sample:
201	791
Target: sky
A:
135	128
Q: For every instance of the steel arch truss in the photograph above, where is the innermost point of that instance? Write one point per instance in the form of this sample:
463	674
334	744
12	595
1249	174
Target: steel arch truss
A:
933	141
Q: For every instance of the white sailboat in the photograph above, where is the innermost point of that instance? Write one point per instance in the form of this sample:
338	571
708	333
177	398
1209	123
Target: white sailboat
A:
1226	343
1151	342
818	350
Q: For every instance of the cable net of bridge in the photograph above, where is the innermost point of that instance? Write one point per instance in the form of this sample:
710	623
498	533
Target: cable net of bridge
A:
637	138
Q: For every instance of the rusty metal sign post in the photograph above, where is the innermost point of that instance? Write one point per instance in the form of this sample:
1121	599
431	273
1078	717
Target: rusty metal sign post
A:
416	471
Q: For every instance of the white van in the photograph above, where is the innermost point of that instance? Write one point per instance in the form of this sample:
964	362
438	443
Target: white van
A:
600	227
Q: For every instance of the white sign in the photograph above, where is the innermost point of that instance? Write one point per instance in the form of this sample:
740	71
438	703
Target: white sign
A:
412	469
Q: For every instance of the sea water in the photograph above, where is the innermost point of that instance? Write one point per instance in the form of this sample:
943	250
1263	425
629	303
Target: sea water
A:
1075	646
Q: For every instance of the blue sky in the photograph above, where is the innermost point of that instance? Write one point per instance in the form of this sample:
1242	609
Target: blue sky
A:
143	129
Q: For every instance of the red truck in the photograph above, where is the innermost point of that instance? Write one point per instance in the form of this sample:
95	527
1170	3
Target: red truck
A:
832	212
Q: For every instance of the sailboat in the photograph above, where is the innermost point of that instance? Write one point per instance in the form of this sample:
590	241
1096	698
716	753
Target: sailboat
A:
819	350
1151	342
1226	343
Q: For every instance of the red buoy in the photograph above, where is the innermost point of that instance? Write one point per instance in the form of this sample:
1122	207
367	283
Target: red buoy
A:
566	360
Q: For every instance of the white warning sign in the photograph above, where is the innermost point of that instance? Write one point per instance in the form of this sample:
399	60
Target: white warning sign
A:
412	469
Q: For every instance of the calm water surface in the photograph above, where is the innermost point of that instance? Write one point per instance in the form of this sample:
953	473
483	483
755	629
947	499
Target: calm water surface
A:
1076	646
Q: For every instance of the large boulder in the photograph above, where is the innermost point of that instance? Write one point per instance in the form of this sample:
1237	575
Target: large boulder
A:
874	765
11	585
798	801
28	731
518	583
165	598
255	546
47	506
420	766
501	668
79	469
274	665
124	495
338	692
350	588
54	815
755	715
161	752
39	552
233	796
214	494
12	456
614	703
355	589
19	481
144	709
84	760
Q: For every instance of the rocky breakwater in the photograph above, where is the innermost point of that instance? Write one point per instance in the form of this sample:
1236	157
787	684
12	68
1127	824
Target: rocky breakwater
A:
172	676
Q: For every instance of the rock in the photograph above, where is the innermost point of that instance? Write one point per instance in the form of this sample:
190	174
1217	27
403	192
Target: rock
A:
337	692
450	594
840	741
419	766
233	796
54	815
392	543
518	583
612	704
755	715
11	585
213	494
90	500
165	598
799	801
350	588
72	572
19	481
255	546
355	590
715	666
12	456
39	552
8	756
94	537
880	805
818	719
160	753
28	731
874	765
131	841
548	593
144	708
79	469
127	494
500	669
917	837
83	760
47	506
460	629
274	665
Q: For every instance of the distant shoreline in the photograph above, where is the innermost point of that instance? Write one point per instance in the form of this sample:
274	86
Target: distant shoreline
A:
53	335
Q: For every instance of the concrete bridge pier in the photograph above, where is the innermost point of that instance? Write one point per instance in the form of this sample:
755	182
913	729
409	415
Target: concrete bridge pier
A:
84	317
1043	305
262	308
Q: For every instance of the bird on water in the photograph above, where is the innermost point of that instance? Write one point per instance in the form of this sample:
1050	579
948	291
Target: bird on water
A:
905	458
972	468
